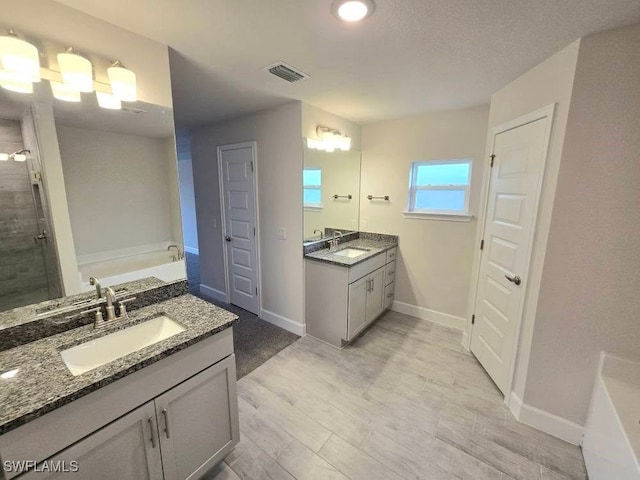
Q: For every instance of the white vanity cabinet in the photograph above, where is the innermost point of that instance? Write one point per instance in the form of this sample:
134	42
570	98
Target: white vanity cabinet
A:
341	301
172	420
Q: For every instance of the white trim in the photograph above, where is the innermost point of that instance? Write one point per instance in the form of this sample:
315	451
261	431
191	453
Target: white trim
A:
254	148
284	322
211	292
122	253
193	250
434	316
448	217
313	208
546	422
547	112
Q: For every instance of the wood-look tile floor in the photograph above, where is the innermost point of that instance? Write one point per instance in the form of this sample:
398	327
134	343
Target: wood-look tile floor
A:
403	402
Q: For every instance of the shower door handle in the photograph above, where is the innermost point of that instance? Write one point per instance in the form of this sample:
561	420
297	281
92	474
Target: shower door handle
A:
41	236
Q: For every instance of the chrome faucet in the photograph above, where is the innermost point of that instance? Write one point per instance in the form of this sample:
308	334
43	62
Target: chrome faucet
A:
110	295
96	282
333	243
320	232
179	254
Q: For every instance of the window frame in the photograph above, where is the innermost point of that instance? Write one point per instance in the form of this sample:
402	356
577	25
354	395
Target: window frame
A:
312	206
459	215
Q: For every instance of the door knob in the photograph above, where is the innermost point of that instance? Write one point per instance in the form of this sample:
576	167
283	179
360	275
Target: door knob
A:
227	238
517	280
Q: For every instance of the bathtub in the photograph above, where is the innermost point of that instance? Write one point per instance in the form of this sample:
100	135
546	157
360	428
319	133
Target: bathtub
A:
611	444
113	268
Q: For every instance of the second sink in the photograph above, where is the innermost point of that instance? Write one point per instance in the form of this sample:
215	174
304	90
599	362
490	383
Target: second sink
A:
95	353
351	252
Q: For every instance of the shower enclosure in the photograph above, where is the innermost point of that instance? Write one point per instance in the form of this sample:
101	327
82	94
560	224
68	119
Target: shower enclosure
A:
29	270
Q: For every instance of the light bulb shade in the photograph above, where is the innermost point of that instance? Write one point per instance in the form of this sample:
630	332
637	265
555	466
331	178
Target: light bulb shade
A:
106	100
20	59
77	71
16	85
19	157
4	157
345	144
312	144
123	83
64	92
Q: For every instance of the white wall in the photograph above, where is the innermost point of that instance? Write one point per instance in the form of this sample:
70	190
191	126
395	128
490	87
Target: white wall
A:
589	300
119	189
57	22
550	82
279	157
435	256
187	192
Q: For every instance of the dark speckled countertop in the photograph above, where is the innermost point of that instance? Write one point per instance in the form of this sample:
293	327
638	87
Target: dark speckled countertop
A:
43	382
374	244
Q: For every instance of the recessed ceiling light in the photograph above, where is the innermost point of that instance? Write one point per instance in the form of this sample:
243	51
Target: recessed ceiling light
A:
352	10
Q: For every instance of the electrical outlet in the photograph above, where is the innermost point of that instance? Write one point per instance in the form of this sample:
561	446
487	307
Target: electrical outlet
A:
281	233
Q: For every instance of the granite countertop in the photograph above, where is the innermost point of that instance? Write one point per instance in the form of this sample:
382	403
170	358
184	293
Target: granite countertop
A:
374	244
43	382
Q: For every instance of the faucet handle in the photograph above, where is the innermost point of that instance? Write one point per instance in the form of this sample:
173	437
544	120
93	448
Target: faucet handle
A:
98	319
123	306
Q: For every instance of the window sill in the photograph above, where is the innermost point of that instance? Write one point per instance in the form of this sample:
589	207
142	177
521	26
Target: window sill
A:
315	208
447	217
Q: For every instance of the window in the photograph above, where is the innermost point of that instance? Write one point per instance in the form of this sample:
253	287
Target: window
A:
312	187
440	187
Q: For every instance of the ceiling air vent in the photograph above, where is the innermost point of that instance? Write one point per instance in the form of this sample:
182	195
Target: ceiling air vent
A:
286	72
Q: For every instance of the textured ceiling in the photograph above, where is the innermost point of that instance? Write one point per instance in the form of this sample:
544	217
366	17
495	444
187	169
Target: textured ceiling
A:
411	56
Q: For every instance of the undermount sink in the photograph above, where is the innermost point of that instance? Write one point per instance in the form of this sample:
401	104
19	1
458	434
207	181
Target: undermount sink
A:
351	252
95	353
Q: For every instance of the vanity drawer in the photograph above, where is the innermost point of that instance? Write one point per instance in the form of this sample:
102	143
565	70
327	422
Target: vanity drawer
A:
389	292
390	273
365	268
391	254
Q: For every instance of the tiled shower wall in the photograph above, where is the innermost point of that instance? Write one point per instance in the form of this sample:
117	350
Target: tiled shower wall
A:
23	275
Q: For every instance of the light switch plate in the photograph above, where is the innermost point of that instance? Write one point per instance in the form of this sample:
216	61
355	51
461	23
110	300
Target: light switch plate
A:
281	233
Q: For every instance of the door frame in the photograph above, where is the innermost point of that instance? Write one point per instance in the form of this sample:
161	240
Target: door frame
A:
544	112
254	149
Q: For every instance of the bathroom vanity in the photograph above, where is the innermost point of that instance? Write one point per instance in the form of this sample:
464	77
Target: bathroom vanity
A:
166	410
349	286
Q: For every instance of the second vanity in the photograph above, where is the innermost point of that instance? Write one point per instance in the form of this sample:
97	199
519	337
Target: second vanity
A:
349	286
166	411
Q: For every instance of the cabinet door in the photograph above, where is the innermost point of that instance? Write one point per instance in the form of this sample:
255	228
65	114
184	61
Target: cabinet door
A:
198	421
357	306
126	449
375	303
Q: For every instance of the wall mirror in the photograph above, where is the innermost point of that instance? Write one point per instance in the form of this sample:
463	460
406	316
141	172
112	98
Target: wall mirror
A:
85	191
331	192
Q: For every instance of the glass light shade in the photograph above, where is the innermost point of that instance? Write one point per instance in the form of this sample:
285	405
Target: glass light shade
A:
4	157
123	83
17	86
312	143
106	100
77	71
64	92
345	144
353	11
19	157
20	58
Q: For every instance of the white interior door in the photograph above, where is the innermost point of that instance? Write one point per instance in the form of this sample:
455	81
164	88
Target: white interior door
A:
514	190
238	191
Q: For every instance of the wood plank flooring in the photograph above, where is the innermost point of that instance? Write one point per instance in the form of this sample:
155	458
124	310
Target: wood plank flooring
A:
403	402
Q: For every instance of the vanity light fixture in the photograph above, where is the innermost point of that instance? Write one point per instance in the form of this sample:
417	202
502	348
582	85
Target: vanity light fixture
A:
4	157
65	92
20	59
76	70
13	85
108	101
9	374
123	82
329	140
20	156
352	11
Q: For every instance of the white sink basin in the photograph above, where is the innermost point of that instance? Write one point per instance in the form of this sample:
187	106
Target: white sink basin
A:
351	252
95	353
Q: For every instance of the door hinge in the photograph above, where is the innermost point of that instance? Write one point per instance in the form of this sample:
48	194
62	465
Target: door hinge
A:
492	157
251	163
256	290
481	244
473	319
254	231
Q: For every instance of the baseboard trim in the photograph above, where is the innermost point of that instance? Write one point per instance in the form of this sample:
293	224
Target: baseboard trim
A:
213	293
434	316
547	422
283	322
193	250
